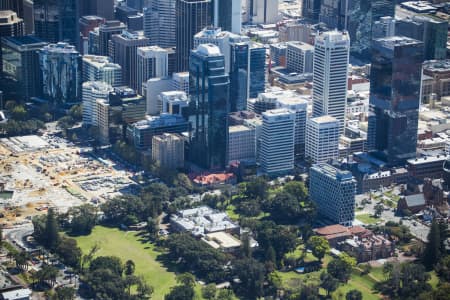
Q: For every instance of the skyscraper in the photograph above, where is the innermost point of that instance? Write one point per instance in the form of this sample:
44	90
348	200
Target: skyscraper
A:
262	11
57	20
105	32
91	91
101	8
61	73
152	61
10	25
160	14
239	75
191	17
311	10
124	53
100	68
333	191
227	15
257	69
299	57
276	150
395	80
209	91
322	139
331	56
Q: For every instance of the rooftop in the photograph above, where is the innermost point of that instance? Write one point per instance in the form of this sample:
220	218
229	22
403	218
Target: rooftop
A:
333	172
324	119
238	128
209	50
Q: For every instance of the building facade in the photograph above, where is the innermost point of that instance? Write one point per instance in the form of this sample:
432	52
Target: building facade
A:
105	33
92	91
168	150
322	139
227	14
100	68
241	143
160	14
152	61
333	191
299	57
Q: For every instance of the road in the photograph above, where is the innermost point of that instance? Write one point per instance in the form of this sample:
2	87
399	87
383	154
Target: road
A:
17	235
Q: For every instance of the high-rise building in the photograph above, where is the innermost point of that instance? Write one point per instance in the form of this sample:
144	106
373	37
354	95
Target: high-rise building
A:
332	13
384	27
300	107
209	91
241	143
333	191
57	20
276	152
168	150
239	75
100	68
180	82
257	69
105	33
133	18
435	80
322	139
311	10
10	25
20	61
191	17
152	61
174	103
124	52
228	15
395	98
432	31
91	91
101	8
331	57
61	74
262	11
299	57
87	24
160	14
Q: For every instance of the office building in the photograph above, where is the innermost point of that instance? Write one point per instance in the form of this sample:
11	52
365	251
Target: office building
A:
299	57
239	75
257	70
333	191
126	102
57	20
124	53
264	102
322	139
168	151
432	31
209	92
278	53
191	17
160	14
10	24
105	33
331	57
180	82
20	60
276	152
262	11
311	10
435	80
384	27
227	14
142	132
101	8
174	103
395	98
152	61
299	106
241	143
61	74
91	92
100	68
87	24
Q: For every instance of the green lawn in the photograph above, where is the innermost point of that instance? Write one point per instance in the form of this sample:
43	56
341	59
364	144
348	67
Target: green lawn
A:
127	245
367	218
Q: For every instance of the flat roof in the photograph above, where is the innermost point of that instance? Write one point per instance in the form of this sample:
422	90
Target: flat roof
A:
225	240
239	128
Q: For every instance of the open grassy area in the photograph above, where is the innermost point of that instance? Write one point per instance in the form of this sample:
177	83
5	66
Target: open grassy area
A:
367	218
127	245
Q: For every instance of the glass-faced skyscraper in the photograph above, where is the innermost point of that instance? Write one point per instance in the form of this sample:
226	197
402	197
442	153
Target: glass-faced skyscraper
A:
209	92
57	20
394	98
239	76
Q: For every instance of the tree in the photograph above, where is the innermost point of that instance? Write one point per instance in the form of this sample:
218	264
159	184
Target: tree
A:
209	291
432	252
83	219
379	208
296	189
341	267
19	113
366	268
225	294
129	267
69	252
252	274
328	282
153	228
443	269
107	262
64	293
180	292
186	279
319	246
353	295
285	207
51	235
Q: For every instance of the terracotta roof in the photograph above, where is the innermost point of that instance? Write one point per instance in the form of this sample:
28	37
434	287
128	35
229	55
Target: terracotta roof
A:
332	229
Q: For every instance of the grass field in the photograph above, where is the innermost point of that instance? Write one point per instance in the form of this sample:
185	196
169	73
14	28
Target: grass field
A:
127	245
367	218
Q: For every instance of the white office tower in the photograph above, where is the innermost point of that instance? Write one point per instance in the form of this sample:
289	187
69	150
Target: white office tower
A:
154	87
101	112
331	55
173	102
277	141
300	107
227	14
262	11
299	57
159	22
180	82
91	92
241	143
100	68
322	139
222	39
152	61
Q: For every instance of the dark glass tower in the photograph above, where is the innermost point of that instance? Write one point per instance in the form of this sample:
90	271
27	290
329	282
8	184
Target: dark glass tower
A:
227	15
394	98
209	92
191	17
57	20
257	70
239	76
311	9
